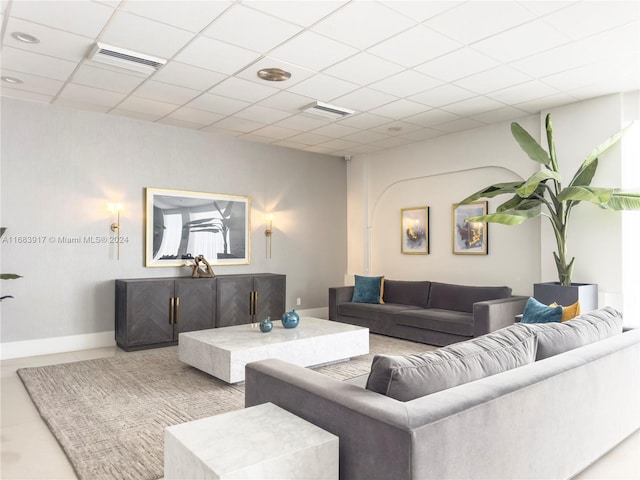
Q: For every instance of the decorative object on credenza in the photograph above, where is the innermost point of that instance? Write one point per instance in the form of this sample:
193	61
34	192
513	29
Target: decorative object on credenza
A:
181	223
414	231
7	276
201	271
469	238
290	319
544	189
116	208
268	233
266	325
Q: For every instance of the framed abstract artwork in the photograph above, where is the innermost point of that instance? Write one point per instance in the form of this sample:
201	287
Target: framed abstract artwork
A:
469	238
181	225
414	231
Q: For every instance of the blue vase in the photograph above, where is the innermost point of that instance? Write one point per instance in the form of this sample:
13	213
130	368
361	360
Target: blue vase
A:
266	325
290	319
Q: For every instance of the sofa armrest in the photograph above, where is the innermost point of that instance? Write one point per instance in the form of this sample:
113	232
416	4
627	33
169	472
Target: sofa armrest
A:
338	295
492	315
365	421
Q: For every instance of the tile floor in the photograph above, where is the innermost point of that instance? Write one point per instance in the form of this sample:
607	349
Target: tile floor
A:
29	451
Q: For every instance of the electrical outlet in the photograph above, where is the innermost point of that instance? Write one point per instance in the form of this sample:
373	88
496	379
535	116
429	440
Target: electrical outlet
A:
298	301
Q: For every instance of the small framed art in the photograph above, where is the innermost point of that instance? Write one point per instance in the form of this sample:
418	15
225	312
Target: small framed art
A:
469	238
414	231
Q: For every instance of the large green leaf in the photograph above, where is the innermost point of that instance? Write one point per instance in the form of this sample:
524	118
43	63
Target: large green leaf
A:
584	175
595	195
510	217
606	145
518	203
532	184
623	201
550	143
492	191
529	145
9	276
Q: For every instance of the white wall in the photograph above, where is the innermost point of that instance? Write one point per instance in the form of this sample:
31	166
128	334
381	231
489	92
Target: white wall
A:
60	169
438	173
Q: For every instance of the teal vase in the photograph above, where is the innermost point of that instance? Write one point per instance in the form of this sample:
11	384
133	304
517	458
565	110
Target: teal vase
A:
290	319
266	325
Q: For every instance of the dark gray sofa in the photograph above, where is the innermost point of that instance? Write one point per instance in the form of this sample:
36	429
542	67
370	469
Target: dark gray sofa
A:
429	312
548	419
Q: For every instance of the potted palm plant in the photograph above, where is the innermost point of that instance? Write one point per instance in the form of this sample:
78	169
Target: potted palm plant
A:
544	195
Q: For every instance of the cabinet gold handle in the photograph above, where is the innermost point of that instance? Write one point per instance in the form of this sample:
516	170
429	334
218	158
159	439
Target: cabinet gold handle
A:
171	310
177	309
255	303
251	302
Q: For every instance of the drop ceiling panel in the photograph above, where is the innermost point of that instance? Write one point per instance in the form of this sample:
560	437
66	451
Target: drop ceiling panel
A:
192	16
33	63
90	95
298	74
420	11
459	64
244	90
363	69
300	13
105	79
34	83
215	55
313	51
217	104
165	92
188	76
405	83
323	88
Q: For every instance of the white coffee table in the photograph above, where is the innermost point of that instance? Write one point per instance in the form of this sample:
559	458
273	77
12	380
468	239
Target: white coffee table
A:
224	352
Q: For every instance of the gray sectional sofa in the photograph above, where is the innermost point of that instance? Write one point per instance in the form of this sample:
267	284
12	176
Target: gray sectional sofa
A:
549	418
429	312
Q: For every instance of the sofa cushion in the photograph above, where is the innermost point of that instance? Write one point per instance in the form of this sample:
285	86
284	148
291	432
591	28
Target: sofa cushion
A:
412	376
537	312
372	310
368	289
461	298
555	338
569	312
407	292
447	321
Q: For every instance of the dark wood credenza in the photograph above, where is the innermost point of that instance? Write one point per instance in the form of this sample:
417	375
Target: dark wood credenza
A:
151	312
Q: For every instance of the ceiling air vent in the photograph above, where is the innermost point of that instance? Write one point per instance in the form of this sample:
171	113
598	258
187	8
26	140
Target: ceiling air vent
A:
123	58
327	111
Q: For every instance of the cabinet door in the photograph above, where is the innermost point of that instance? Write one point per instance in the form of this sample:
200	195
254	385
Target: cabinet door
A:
234	300
148	306
271	291
196	300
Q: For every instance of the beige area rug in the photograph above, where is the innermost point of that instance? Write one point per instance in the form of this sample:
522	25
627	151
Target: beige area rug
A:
109	414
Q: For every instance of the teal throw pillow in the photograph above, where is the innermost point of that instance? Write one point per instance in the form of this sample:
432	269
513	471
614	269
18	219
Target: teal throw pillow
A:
368	290
536	312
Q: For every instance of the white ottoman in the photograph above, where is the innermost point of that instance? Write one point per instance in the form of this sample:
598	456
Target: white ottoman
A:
262	442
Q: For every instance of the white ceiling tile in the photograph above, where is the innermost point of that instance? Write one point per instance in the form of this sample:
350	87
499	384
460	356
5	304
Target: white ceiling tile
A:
56	43
302	122
432	117
442	95
238	124
522	41
335	130
215	55
594	17
459	125
418	10
252	137
188	15
310	139
540	104
362	24
369	148
298	74
403	84
262	114
195	116
542	8
304	13
145	36
473	21
33	83
366	136
188	76
95	96
339	144
313	51
137	115
165	92
500	115
458	64
523	92
323	88
400	109
175	122
222	131
105	79
364	99
251	29
493	79
415	46
582	77
319	149
35	64
363	69
25	95
79	105
147	105
217	104
422	134
290	144
244	90
473	106
364	120
396	128
276	132
83	18
287	101
390	142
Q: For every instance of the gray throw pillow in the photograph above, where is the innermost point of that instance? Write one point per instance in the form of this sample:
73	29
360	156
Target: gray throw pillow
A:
412	376
555	338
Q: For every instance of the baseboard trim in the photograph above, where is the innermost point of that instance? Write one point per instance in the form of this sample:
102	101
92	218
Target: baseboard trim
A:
47	346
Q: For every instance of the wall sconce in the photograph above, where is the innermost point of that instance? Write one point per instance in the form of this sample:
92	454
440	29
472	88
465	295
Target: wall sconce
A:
116	208
268	234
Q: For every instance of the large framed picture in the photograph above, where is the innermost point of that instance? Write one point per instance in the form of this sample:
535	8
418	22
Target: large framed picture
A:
181	225
414	231
469	238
